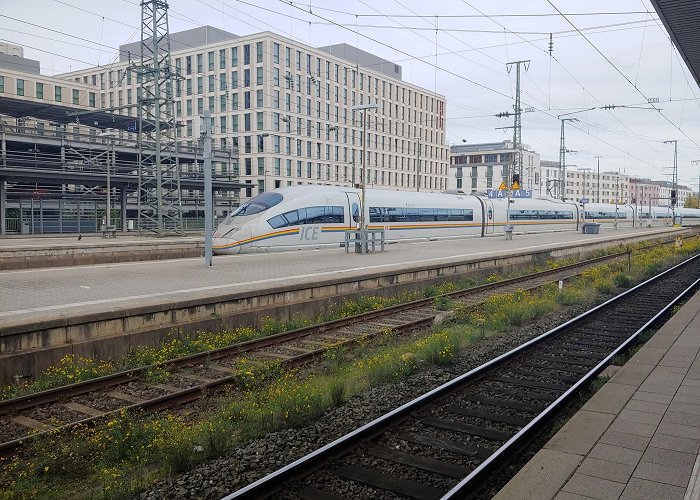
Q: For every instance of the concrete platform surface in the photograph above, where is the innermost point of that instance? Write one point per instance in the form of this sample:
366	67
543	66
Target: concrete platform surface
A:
33	295
638	437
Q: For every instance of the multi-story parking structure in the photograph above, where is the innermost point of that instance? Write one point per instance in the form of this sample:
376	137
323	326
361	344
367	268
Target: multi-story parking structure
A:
284	110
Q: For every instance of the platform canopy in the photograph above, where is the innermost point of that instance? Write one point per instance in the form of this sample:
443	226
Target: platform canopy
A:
21	108
682	21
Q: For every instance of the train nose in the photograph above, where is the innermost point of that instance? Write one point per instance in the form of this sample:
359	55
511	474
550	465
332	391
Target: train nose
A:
226	246
229	242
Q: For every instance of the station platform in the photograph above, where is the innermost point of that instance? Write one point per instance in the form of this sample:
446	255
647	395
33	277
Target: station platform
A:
638	437
35	294
29	252
104	310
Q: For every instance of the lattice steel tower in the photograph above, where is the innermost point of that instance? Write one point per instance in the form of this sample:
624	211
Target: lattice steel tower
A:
159	196
517	125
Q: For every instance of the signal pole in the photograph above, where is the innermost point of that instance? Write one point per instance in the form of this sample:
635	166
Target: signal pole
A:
675	172
562	158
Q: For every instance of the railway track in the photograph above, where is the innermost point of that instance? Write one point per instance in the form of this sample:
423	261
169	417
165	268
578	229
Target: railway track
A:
192	377
443	443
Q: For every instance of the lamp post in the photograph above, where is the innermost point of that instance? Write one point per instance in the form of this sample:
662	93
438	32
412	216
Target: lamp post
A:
417	162
584	200
363	221
597	197
109	134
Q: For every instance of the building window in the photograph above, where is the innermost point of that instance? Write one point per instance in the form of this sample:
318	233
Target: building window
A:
58	90
210	60
188	86
222	124
259	98
259	76
276	53
246	54
76	96
200	84
200	64
222	59
246	78
39	90
211	83
20	86
234	56
259	52
246	100
92	101
2	83
260	120
234	79
246	122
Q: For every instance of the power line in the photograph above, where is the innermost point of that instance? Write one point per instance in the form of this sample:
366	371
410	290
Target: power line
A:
621	73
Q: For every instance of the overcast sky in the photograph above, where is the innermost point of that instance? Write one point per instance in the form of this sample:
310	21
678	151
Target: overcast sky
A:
620	55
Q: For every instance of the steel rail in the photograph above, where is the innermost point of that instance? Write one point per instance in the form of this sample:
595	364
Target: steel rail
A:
271	483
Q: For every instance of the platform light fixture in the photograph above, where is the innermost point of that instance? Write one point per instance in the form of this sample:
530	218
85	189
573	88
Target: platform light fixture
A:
363	221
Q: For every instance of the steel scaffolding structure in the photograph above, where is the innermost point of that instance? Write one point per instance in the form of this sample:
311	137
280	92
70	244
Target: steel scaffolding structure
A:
159	198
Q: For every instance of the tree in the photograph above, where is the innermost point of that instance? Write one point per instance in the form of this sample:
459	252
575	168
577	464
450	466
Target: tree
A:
691	202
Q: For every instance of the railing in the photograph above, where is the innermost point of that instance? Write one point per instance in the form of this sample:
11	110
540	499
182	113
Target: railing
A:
364	240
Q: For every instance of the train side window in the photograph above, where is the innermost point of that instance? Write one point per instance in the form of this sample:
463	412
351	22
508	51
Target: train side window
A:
412	214
375	214
315	215
427	214
455	214
334	215
441	214
277	222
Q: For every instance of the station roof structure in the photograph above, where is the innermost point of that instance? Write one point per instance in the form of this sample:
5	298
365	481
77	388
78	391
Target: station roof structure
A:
681	19
20	108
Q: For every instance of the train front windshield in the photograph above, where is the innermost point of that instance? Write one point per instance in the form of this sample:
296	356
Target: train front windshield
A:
258	204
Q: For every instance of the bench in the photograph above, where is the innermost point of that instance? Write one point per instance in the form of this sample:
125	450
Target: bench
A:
109	231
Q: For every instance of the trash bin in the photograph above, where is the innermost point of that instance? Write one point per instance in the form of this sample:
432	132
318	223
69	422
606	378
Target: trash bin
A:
591	228
130	225
25	228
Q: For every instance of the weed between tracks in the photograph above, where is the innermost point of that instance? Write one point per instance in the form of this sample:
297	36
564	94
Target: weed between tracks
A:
126	453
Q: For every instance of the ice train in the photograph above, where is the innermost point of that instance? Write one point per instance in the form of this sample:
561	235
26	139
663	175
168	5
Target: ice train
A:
310	217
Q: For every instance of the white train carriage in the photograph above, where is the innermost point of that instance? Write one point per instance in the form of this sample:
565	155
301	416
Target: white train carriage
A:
537	215
609	215
308	217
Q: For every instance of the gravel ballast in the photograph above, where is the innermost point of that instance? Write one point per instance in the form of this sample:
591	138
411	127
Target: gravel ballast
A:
245	464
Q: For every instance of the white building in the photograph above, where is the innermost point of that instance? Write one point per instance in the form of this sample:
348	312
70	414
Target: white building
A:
288	108
476	168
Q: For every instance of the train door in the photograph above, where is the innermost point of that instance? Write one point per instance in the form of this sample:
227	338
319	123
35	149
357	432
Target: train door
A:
353	222
488	217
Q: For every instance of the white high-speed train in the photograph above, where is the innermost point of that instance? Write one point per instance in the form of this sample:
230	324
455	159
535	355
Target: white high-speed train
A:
307	217
610	215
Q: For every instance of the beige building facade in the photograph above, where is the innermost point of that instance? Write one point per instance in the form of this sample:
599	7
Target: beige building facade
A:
285	111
